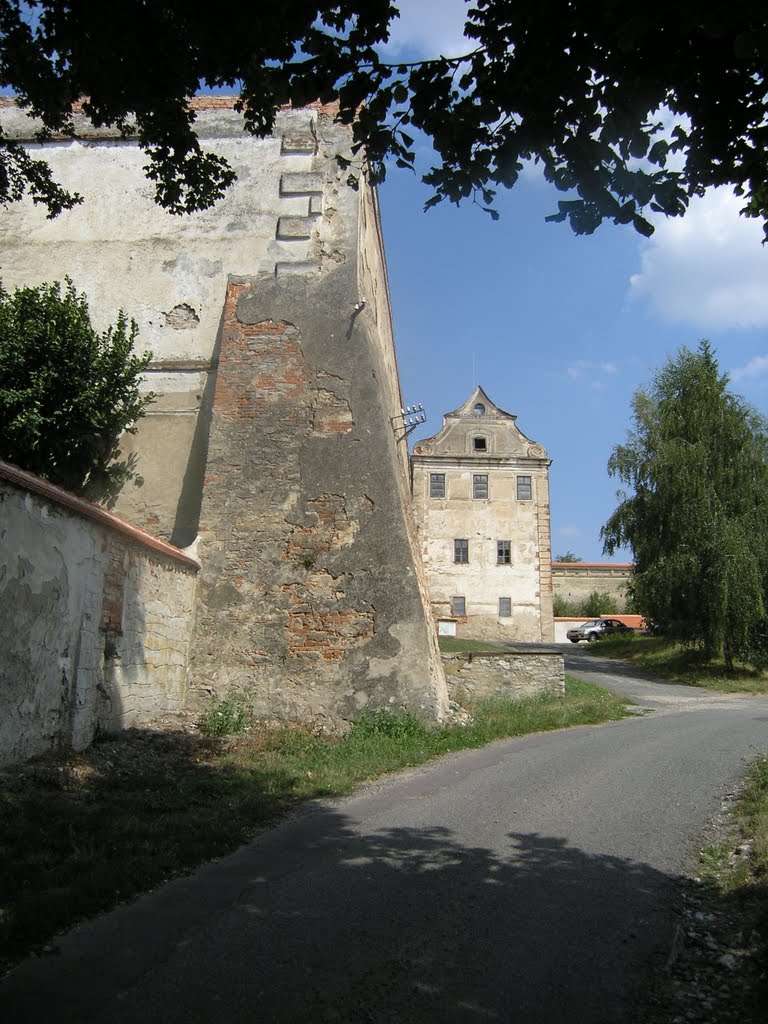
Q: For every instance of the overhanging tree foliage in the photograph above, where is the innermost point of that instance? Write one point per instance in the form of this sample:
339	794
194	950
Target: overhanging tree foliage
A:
697	520
630	109
67	393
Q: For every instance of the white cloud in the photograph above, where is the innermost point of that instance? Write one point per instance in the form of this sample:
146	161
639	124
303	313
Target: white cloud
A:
569	531
428	28
582	369
707	268
755	368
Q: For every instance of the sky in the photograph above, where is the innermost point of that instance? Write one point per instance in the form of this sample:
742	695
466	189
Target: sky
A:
561	330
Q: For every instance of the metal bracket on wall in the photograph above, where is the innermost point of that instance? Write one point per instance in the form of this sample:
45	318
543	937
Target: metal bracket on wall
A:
410	417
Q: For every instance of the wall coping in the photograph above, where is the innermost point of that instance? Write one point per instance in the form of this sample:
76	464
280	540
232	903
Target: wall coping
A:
506	651
89	510
593	565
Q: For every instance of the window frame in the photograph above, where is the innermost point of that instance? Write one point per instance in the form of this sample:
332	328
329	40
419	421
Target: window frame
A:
436	481
479	444
503	552
521	486
476	477
505	614
460	548
463	604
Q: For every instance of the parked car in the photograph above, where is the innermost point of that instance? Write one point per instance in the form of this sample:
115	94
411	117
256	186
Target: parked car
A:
595	629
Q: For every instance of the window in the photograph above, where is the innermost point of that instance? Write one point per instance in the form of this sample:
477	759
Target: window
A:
480	485
437	485
505	607
480	444
503	552
479	409
458	606
524	489
461	551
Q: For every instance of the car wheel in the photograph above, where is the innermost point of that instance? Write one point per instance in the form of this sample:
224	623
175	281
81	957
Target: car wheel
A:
591	638
574	640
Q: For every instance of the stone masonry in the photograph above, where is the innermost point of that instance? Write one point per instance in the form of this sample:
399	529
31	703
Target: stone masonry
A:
273	435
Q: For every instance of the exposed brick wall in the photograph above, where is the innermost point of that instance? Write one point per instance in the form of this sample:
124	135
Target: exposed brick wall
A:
297	599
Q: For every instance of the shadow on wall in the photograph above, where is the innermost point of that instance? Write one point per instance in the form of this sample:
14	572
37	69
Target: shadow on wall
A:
187	519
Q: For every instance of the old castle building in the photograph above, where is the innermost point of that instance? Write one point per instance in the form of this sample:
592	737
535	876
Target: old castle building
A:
481	499
270	445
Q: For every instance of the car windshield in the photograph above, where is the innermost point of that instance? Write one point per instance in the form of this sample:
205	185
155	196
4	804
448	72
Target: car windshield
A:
592	622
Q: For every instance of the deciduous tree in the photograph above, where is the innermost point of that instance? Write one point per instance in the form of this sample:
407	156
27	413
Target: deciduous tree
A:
697	515
628	109
67	392
568	557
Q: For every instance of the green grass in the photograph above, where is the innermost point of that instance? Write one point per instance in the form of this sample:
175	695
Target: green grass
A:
669	660
456	645
81	834
752	814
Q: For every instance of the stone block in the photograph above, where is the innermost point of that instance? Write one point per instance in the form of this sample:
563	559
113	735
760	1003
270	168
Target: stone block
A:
295	227
301	183
285	269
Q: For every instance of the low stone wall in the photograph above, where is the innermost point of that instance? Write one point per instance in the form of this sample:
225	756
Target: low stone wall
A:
522	671
95	620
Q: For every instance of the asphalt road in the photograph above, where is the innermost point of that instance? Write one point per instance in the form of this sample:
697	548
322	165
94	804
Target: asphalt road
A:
529	882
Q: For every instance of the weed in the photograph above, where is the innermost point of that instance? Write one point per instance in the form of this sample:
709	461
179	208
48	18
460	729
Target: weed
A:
401	725
227	716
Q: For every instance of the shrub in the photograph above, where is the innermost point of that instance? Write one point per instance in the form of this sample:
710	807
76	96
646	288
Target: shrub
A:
67	393
227	716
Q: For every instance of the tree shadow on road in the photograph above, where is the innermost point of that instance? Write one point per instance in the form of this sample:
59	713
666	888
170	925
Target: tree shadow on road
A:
316	922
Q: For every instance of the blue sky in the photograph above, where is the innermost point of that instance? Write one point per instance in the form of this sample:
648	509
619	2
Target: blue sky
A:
561	330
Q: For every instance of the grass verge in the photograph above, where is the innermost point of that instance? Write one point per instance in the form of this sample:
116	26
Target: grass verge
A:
82	833
670	660
455	645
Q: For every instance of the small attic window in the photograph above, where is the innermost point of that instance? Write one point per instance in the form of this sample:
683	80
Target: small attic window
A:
479	444
479	409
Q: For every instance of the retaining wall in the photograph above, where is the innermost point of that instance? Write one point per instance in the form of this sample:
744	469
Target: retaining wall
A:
516	673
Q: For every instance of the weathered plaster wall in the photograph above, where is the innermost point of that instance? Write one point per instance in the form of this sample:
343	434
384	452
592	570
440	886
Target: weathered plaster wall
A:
94	623
170	273
512	674
277	384
575	581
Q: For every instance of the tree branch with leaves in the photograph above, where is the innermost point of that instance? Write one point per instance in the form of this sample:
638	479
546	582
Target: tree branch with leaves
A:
629	111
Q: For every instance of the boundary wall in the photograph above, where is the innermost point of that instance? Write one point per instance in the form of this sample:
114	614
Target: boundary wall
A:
95	620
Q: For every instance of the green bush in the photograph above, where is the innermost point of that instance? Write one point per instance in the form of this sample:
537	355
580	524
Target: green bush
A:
67	392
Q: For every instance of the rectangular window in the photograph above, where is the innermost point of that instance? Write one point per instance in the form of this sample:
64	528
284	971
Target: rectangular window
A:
480	485
461	551
479	444
437	485
503	552
458	606
505	607
524	488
